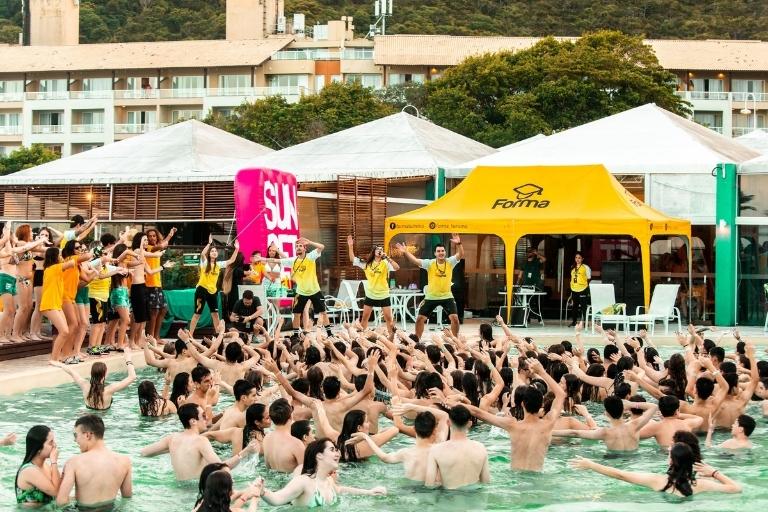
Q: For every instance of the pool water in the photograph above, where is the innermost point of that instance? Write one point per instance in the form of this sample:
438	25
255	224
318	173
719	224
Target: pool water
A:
557	488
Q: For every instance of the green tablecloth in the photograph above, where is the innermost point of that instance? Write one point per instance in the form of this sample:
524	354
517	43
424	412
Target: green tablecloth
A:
181	306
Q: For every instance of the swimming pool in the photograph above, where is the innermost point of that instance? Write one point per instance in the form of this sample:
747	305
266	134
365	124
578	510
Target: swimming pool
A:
557	488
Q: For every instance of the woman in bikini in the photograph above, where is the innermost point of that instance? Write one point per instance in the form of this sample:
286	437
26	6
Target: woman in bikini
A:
97	396
37	483
315	486
151	403
25	273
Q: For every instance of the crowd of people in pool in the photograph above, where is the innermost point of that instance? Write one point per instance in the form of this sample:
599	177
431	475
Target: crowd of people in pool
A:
310	398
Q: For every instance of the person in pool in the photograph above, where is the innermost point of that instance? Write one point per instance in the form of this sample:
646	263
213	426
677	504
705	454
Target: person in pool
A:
619	435
96	395
680	479
37	483
316	486
741	429
458	462
97	474
190	451
219	496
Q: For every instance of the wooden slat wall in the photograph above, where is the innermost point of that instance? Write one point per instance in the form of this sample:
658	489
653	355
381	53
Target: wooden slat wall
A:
177	201
361	212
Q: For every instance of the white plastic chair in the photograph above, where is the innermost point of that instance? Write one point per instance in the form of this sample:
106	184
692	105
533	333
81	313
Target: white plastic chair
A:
601	296
662	308
345	304
270	311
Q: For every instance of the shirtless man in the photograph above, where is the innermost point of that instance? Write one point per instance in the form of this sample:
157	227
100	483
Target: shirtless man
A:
736	399
182	362
245	396
231	370
97	474
741	429
620	435
206	394
707	398
282	451
190	451
459	461
430	427
531	436
336	407
672	420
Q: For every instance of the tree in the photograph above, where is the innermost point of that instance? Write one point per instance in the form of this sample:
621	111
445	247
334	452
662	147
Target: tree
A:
275	123
504	97
24	158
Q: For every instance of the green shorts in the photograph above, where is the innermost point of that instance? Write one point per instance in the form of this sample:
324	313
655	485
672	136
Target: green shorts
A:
118	298
7	284
82	297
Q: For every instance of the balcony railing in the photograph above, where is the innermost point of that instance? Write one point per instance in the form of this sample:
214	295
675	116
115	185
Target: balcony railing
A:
87	128
91	95
136	94
47	128
182	93
138	128
307	54
50	95
11	96
740	130
10	130
258	92
723	96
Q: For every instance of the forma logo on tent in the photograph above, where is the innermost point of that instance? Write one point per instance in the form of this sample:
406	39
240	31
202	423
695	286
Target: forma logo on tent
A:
526	196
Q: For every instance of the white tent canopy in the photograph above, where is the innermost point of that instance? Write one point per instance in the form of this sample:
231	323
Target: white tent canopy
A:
399	145
676	156
757	165
642	140
183	152
756	139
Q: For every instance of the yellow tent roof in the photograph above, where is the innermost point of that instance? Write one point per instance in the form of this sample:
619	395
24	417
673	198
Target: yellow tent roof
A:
511	202
583	199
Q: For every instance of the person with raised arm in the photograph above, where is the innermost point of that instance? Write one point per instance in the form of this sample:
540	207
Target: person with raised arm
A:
438	291
207	291
154	251
376	267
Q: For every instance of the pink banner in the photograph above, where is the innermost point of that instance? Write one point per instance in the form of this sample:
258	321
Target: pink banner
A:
266	210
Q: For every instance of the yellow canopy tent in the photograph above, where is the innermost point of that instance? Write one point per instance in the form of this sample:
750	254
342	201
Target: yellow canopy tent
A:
511	202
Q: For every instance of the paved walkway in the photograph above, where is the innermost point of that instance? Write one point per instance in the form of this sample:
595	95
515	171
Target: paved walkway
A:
20	375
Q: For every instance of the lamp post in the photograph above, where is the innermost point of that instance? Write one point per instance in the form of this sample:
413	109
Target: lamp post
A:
747	111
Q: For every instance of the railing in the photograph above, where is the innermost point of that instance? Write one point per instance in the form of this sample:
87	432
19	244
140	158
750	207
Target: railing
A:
182	93
258	92
357	54
51	95
47	128
88	128
91	95
307	54
740	130
11	96
10	130
136	94
138	128
723	96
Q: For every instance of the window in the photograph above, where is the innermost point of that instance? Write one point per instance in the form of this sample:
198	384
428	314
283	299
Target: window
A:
51	118
234	82
97	84
183	115
10	119
358	53
11	89
187	82
395	78
368	80
135	83
141	117
707	88
92	117
741	88
223	111
319	82
53	85
712	120
289	81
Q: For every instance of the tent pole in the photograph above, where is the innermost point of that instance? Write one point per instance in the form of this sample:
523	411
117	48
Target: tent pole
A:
510	244
645	254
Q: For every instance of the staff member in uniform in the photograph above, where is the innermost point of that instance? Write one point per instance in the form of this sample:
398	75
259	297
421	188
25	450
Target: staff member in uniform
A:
377	268
304	273
438	293
581	274
207	290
